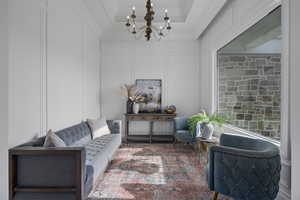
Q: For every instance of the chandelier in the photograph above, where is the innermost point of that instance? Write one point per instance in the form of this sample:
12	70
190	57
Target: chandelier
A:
149	28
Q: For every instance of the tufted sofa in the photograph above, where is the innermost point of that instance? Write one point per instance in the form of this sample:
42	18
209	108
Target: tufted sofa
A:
65	173
244	168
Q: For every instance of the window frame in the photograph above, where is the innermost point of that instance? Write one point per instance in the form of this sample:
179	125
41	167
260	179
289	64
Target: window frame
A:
284	104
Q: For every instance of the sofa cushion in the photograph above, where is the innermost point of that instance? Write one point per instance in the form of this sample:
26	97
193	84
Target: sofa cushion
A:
82	142
52	140
100	151
99	127
96	147
77	135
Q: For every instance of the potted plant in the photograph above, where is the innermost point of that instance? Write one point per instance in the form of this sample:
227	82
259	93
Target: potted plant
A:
202	125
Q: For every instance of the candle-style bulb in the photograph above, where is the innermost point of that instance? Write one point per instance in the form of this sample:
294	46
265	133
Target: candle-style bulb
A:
133	16
166	15
168	25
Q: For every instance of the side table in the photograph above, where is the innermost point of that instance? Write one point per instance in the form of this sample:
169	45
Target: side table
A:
202	146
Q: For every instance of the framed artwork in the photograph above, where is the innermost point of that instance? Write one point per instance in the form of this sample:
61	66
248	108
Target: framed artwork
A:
151	90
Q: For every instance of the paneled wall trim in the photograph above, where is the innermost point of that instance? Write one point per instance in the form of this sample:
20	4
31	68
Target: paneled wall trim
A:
174	62
54	66
4	102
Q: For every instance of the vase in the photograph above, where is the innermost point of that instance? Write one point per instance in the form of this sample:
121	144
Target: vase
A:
198	130
206	130
136	108
129	106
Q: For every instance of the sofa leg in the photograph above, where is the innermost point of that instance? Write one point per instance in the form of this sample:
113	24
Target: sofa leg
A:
216	194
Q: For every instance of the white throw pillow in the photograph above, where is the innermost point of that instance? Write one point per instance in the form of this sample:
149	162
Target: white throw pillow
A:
99	127
52	140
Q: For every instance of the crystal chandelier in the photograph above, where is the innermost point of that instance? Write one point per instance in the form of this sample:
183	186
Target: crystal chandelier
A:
149	28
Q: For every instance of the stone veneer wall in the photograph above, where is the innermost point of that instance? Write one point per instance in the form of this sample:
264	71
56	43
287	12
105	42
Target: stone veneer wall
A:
249	91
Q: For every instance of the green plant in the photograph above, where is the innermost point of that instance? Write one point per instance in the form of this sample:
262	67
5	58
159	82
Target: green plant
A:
216	119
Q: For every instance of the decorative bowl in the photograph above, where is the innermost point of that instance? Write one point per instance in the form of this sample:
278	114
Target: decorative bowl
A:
170	109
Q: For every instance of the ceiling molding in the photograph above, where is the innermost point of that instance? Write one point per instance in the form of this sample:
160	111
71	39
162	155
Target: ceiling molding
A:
190	17
202	14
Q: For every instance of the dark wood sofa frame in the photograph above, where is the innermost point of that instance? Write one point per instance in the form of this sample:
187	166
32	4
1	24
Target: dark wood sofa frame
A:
77	154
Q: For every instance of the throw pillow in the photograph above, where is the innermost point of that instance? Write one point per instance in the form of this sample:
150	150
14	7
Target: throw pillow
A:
99	127
52	140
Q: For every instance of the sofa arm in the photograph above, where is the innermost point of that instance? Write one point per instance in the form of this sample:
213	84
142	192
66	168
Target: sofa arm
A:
181	123
115	126
47	171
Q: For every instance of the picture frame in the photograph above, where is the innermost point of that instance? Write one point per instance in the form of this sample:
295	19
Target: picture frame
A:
151	89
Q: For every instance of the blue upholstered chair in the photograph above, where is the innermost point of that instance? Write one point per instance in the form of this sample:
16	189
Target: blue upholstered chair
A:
182	133
244	168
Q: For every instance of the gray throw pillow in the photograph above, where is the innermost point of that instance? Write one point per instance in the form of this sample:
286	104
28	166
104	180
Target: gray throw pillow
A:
99	127
82	142
52	140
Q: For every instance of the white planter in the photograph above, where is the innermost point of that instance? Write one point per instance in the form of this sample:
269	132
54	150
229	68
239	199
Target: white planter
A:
205	130
136	108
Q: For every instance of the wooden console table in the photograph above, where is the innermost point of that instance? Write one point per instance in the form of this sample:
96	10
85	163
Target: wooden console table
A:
151	117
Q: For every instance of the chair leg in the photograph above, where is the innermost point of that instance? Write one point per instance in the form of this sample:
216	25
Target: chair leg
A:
216	194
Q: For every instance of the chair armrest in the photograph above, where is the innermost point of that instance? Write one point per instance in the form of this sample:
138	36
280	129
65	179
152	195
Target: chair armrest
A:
243	152
237	141
48	170
181	123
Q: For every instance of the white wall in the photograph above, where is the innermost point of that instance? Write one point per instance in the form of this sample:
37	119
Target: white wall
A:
236	17
54	66
25	69
49	74
294	28
3	99
73	66
175	62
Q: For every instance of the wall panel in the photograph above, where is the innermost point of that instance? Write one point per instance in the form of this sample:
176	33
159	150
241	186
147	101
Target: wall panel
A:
54	67
65	66
25	69
175	62
4	102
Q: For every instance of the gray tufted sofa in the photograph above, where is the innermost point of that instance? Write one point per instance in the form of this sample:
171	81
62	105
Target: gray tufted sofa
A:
244	168
68	173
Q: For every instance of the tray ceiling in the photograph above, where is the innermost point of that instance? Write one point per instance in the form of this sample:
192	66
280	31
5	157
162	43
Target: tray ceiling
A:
189	17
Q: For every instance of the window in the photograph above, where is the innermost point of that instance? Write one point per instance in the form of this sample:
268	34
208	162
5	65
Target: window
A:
249	78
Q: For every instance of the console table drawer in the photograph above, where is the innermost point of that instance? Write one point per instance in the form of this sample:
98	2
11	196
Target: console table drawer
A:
151	118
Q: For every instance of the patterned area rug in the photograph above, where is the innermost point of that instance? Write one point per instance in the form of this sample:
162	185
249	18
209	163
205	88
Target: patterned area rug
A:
154	172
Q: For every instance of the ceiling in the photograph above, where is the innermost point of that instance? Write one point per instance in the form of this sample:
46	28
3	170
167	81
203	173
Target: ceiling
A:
179	9
189	18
